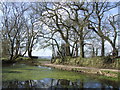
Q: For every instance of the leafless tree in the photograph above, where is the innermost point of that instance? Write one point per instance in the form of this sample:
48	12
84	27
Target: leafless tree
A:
96	22
12	25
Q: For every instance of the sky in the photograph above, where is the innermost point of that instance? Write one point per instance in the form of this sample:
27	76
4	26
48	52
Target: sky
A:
42	52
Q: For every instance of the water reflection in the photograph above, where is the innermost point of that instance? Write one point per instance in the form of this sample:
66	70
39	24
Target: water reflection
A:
44	67
56	83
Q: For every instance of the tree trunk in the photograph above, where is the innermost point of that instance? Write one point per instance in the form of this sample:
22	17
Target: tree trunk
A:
102	48
11	57
76	50
115	51
81	49
12	51
73	52
30	53
93	52
67	50
81	43
53	53
96	51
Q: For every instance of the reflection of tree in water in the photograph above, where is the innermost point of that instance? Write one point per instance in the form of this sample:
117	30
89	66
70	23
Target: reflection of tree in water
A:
109	84
55	84
18	84
36	83
63	83
81	85
28	83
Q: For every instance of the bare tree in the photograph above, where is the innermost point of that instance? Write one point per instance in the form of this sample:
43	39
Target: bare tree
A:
12	25
96	26
32	33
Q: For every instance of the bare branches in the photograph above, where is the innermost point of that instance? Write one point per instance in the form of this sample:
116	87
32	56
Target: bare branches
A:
70	25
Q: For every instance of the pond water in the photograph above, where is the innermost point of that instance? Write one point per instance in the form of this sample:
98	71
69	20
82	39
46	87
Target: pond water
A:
26	76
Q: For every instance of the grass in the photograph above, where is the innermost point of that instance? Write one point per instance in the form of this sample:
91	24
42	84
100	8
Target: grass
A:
101	77
25	58
4	58
42	59
26	72
34	73
106	71
97	62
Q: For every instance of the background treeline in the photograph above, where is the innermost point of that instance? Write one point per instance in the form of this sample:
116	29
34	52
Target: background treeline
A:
68	28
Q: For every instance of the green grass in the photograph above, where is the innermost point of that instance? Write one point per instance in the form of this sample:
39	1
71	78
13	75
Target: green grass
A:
25	72
34	73
25	58
97	62
42	59
106	71
101	77
4	58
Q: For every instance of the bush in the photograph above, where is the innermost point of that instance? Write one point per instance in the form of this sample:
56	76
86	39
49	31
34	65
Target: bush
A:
22	58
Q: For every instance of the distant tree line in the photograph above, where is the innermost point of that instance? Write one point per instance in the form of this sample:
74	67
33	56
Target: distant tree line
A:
69	28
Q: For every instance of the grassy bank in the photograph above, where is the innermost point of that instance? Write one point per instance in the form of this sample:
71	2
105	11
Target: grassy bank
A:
25	60
108	74
97	62
89	65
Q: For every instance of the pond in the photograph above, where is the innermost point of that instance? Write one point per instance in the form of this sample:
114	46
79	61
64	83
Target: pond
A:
26	76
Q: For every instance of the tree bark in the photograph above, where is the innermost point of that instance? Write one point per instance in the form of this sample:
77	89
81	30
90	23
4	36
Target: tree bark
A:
67	49
93	52
96	51
82	49
12	50
76	50
30	53
53	53
115	51
81	43
102	48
